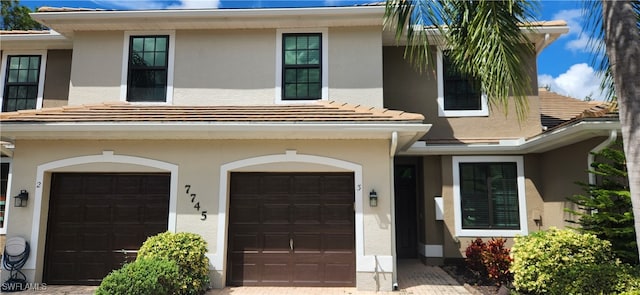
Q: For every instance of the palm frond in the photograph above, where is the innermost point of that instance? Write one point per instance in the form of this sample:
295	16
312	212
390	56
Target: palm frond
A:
485	39
487	42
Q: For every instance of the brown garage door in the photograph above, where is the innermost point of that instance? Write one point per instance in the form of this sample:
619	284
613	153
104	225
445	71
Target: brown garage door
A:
291	229
92	216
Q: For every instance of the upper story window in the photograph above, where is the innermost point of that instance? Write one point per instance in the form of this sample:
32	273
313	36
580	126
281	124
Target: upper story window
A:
489	196
301	65
458	94
22	81
148	69
148	60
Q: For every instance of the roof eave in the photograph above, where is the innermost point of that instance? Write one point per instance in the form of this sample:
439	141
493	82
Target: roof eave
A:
67	22
407	132
541	143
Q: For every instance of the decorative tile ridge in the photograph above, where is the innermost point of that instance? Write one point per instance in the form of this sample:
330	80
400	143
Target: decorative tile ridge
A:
544	23
66	9
25	32
50	110
599	110
384	112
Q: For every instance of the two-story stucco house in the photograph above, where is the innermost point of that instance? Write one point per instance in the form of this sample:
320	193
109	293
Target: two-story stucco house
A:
298	142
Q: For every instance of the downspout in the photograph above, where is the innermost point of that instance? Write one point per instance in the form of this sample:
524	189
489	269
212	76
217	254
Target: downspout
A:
613	135
392	153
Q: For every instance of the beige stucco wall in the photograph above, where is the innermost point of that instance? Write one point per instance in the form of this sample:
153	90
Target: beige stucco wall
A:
199	166
407	89
550	178
56	80
96	67
560	170
224	67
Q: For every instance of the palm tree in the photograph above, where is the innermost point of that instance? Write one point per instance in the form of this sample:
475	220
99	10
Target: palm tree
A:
486	41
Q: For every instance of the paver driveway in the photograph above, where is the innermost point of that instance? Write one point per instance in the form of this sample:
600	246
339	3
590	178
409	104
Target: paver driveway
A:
413	278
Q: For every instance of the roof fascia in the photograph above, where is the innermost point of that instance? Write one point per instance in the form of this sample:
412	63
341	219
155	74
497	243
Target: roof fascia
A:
67	22
538	144
52	40
542	36
407	133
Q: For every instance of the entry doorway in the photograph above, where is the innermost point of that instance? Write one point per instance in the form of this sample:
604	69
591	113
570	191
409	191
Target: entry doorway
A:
406	207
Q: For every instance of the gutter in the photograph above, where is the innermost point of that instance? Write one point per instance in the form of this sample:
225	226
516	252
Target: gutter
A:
613	135
394	254
540	143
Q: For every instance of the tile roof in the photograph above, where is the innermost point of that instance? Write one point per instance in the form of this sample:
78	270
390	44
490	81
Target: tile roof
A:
22	32
556	109
320	112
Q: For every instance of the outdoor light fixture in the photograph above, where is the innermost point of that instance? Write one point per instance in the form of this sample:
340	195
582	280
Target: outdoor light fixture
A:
21	199
373	199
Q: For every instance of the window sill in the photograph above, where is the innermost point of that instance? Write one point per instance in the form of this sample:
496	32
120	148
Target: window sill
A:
487	233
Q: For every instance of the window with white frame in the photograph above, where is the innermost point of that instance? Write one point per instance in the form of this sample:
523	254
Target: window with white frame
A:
458	94
22	80
148	67
301	69
489	196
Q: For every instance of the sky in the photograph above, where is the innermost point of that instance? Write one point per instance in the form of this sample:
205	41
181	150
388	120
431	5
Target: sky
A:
565	66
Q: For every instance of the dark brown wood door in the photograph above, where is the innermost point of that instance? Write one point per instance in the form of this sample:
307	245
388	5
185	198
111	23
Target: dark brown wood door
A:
291	229
93	217
406	209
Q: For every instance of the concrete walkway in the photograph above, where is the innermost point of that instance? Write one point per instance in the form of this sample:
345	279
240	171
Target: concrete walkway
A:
413	278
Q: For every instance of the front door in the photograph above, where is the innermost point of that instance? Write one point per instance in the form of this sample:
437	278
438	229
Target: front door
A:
406	211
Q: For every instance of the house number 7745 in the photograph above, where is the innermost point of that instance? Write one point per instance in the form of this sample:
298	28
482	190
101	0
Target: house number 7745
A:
196	204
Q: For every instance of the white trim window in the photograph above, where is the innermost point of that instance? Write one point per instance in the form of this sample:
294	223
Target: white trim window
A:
147	67
301	65
489	196
458	95
5	190
22	80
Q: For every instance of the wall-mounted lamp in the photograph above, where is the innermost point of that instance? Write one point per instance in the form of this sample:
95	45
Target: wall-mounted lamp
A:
21	199
373	199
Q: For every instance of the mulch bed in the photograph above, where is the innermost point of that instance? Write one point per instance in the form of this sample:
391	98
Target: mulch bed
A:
478	287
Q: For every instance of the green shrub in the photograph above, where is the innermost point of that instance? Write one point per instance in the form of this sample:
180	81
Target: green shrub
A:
188	251
563	262
143	277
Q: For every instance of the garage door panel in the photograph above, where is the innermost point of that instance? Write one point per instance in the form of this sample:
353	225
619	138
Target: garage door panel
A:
275	242
275	213
307	273
97	214
307	243
126	213
307	214
276	272
295	208
96	186
338	213
273	185
337	184
245	242
108	215
249	214
309	184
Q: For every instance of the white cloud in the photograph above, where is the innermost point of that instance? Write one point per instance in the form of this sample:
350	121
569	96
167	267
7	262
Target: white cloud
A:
158	4
579	39
195	4
579	81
